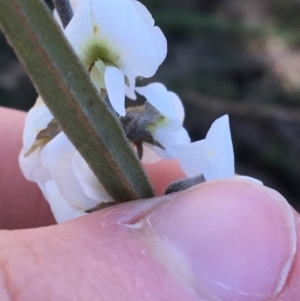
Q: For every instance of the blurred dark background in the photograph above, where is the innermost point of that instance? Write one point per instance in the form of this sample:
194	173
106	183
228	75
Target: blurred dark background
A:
234	57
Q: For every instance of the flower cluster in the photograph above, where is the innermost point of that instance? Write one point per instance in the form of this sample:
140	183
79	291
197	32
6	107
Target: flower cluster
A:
118	41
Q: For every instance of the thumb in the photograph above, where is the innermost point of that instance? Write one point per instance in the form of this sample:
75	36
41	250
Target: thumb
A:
236	240
224	240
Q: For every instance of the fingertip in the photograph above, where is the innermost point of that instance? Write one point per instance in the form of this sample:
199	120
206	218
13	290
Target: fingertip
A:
238	237
290	289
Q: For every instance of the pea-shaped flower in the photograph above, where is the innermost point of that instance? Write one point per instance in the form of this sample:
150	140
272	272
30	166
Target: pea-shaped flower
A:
213	156
50	159
168	128
117	41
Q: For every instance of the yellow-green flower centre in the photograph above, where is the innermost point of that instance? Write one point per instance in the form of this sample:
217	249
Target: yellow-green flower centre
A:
158	123
94	50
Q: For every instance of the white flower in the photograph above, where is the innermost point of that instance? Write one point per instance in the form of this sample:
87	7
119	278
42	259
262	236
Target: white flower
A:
168	130
74	180
65	179
212	156
117	41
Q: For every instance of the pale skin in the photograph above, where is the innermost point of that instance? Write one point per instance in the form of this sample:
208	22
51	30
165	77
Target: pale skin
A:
224	240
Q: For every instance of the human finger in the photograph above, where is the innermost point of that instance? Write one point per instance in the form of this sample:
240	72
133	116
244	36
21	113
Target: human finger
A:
22	205
229	240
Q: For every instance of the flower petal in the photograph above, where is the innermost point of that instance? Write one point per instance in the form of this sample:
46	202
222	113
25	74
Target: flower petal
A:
75	4
115	85
191	157
130	88
157	35
212	156
57	156
37	119
42	176
170	140
219	151
97	75
79	33
144	13
88	181
183	137
30	163
61	209
162	100
178	106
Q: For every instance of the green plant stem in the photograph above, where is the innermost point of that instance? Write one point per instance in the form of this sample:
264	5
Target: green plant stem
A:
65	86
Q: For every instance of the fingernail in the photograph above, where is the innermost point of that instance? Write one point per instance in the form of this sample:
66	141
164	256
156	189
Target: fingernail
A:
235	239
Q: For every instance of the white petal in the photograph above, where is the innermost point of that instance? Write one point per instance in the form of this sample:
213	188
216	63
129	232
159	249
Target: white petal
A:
130	90
144	13
80	33
219	151
57	156
61	209
42	176
30	163
182	137
174	144
37	119
191	157
88	181
115	85
178	106
97	75
160	39
162	100
165	137
212	156
158	36
75	4
170	140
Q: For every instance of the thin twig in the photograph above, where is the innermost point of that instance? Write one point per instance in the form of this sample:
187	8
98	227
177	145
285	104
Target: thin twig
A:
64	11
